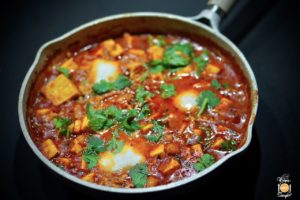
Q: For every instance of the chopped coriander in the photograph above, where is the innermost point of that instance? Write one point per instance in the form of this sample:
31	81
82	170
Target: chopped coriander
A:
142	94
204	161
144	76
129	124
139	174
150	40
64	71
103	86
94	147
97	118
156	66
229	145
201	62
115	145
144	112
101	119
158	130
216	84
207	99
121	82
226	85
160	41
168	90
62	124
178	55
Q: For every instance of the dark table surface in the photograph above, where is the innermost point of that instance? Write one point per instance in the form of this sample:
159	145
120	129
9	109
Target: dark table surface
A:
266	31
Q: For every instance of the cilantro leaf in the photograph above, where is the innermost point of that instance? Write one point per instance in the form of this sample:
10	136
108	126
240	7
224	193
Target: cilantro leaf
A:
97	119
94	147
91	158
226	85
204	161
129	124
158	130
168	90
156	66
139	174
216	84
103	86
114	144
64	71
142	94
229	145
201	62
178	55
207	99
101	119
121	82
62	124
160	40
144	112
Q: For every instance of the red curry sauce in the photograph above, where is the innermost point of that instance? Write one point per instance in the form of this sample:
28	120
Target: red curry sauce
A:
140	110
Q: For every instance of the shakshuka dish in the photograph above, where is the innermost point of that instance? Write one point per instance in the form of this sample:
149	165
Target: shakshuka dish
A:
139	110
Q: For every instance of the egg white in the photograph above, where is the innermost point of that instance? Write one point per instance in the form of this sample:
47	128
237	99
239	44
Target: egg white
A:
104	70
127	158
186	100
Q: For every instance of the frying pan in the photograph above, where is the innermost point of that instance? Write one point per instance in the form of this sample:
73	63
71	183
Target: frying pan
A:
202	27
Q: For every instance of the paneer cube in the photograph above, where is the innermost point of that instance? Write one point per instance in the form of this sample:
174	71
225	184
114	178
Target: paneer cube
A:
212	69
43	111
152	181
197	149
169	166
89	177
157	151
113	48
60	90
76	144
83	165
69	64
217	143
64	161
156	52
84	123
172	148
49	148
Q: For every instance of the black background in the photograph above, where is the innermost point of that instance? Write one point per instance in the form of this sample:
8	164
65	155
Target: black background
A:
266	31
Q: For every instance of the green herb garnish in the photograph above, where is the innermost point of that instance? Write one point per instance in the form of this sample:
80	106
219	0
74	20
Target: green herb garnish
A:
142	94
129	124
139	174
62	124
94	147
115	145
201	62
168	90
158	130
64	71
103	86
229	145
216	84
178	55
204	161
207	99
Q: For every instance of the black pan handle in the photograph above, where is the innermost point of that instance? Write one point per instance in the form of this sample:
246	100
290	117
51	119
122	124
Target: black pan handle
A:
214	13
